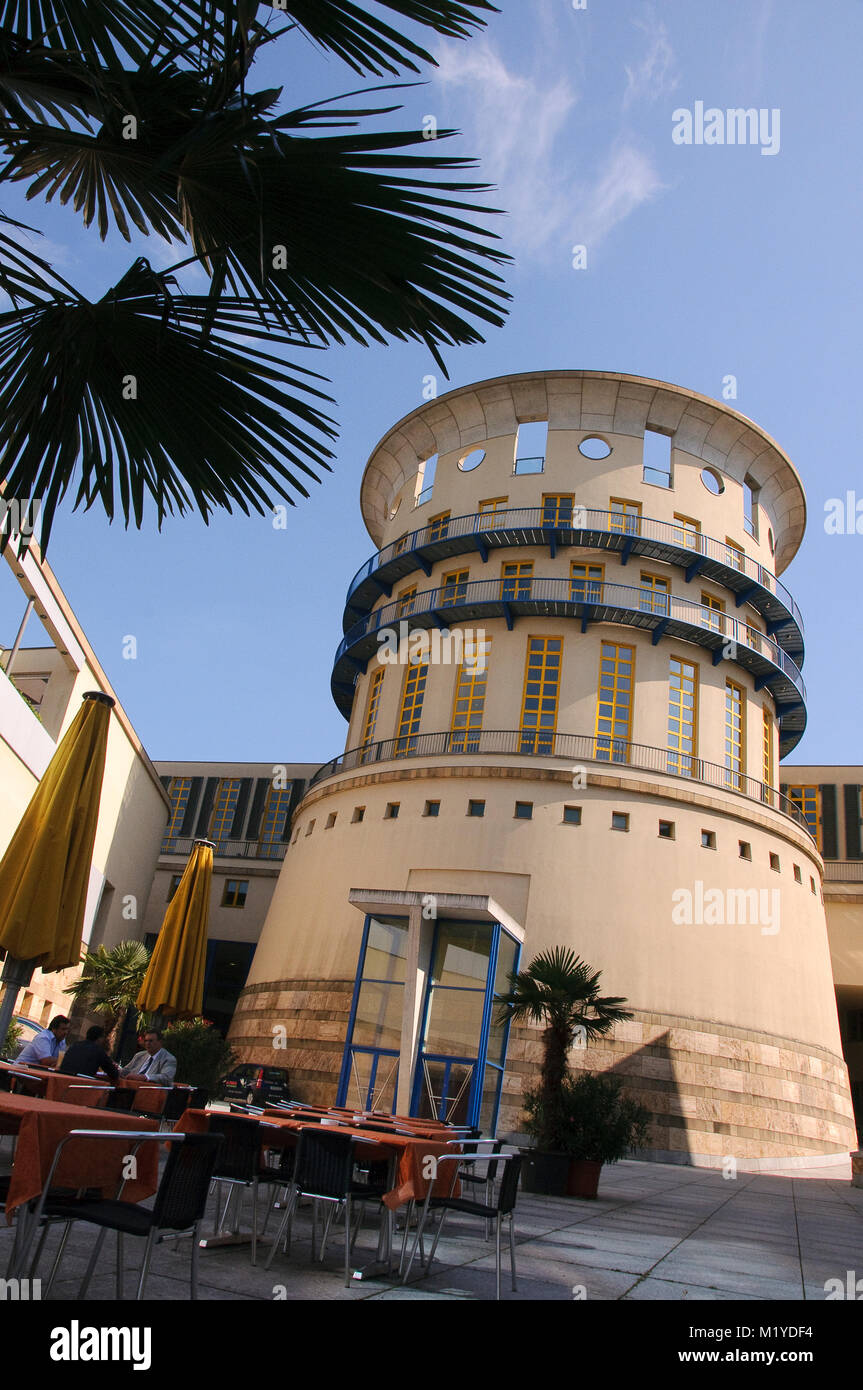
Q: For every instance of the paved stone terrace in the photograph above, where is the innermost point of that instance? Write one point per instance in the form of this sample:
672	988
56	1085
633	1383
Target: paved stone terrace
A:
656	1232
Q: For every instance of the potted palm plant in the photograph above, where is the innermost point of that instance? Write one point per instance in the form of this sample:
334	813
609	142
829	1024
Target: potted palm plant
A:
561	991
588	1122
110	982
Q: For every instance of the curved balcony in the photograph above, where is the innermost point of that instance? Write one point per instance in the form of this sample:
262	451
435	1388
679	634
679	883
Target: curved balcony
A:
575	749
726	638
596	529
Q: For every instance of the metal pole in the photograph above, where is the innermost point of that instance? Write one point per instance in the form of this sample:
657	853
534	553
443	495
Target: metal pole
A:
13	650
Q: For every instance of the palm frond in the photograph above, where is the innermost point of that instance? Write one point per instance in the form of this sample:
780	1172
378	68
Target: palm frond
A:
368	44
136	400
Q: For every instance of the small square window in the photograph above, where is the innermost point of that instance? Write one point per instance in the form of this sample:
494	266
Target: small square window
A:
359	812
774	863
798	877
235	891
666	830
310	827
331	820
708	839
744	849
524	810
572	815
476	808
812	886
173	885
620	820
392	811
432	808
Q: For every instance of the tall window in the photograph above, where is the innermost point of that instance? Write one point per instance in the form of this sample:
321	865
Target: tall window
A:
515	579
468	706
371	718
557	508
407	599
654	594
273	820
657	458
687	531
735	736
178	791
715	607
807	799
541	694
624	516
751	492
492	505
438	527
767	754
682	716
735	555
614	702
585	582
224	808
454	588
413	695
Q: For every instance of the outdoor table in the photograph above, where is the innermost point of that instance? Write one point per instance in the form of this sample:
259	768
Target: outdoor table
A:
150	1095
63	1086
41	1124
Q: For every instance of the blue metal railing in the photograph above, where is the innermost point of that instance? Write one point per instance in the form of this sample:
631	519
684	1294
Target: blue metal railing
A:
574	748
688	546
622	597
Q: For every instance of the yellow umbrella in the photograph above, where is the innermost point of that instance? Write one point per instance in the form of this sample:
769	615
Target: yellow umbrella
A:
44	874
174	983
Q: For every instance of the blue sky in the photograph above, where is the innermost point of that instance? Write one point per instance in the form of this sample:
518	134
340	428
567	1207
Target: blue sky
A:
703	261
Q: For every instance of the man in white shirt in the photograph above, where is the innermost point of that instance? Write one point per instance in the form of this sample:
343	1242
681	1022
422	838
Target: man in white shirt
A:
47	1048
155	1062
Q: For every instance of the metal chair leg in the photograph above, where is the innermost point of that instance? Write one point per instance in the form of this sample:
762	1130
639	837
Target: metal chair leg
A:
100	1240
512	1249
497	1258
284	1225
347	1242
196	1254
36	1258
443	1217
119	1266
57	1258
145	1267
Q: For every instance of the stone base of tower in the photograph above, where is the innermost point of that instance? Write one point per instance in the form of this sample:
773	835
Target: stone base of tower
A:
714	1092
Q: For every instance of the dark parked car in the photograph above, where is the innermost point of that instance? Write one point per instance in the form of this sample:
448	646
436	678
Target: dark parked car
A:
256	1085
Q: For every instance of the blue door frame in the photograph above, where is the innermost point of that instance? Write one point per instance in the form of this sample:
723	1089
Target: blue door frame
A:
478	1062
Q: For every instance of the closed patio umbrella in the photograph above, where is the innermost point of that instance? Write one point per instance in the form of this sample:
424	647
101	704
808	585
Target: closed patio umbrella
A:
174	983
45	871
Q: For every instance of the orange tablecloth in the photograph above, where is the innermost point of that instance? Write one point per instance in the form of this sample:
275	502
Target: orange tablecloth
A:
41	1124
150	1095
52	1085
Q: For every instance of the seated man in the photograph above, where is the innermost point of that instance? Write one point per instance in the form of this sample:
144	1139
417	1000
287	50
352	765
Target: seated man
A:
89	1056
155	1062
46	1047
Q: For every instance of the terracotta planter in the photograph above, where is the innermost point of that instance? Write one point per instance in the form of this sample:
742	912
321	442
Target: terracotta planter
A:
583	1178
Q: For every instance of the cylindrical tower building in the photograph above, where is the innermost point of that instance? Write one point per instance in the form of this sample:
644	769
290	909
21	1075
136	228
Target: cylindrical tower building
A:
569	671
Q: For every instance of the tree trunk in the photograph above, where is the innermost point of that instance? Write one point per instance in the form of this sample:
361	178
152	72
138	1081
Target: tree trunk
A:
554	1061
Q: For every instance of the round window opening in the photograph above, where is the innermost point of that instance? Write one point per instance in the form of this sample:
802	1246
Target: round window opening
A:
472	460
712	481
594	448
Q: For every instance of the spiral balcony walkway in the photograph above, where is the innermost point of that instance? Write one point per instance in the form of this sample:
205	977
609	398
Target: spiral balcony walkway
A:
725	637
596	529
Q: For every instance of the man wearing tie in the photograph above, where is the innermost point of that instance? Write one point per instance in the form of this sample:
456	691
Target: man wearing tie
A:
155	1062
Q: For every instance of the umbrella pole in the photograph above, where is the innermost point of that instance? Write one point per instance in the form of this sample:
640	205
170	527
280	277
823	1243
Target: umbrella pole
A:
16	975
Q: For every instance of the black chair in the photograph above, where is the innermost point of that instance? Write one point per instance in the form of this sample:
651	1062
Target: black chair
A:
177	1102
487	1211
179	1207
239	1166
120	1100
324	1171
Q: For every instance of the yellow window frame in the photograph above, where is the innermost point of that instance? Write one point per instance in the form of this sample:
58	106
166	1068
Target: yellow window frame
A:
689	531
628	511
682	716
735	736
438	526
471	686
655	593
516	577
410	709
806	796
614	711
179	790
587	585
557	508
372	707
454	588
541	694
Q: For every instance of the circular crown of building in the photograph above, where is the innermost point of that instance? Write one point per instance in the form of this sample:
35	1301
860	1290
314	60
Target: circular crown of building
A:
590	401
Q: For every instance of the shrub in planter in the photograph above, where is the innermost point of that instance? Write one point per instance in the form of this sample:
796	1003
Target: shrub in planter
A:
203	1057
589	1121
12	1041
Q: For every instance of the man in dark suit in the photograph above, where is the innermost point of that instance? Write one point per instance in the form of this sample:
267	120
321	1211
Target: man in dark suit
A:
90	1056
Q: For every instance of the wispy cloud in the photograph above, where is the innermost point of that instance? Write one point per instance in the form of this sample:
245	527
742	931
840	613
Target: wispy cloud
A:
521	125
654	74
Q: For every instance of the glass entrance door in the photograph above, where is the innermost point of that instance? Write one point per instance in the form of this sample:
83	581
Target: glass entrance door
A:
373	1075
